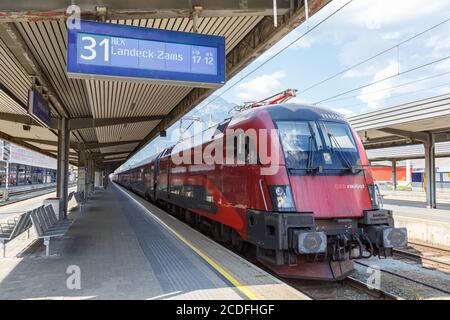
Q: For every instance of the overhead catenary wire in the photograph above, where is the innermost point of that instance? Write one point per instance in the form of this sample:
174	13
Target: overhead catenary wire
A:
396	46
391	87
309	30
398	95
197	110
383	79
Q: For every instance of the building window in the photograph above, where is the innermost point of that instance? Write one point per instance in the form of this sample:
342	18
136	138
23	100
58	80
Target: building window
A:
28	175
2	174
21	175
13	174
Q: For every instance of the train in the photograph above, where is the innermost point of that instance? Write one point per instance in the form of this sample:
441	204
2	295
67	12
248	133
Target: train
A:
307	215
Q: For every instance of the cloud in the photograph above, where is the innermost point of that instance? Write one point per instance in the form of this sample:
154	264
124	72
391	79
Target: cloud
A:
372	26
441	90
384	13
213	107
344	111
443	66
375	94
359	72
303	43
394	35
439	44
260	87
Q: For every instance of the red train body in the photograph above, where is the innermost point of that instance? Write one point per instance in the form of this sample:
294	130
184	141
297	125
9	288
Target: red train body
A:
309	217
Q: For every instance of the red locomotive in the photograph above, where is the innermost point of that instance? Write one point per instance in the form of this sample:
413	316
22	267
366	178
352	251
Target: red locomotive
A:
310	219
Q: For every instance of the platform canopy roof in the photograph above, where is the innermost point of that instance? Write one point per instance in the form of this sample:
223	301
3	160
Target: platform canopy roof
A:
111	119
409	152
406	124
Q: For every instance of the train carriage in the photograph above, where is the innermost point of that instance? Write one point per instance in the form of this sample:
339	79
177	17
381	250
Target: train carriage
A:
308	214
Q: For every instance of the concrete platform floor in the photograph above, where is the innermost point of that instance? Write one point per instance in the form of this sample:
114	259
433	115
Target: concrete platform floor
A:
122	247
417	209
430	226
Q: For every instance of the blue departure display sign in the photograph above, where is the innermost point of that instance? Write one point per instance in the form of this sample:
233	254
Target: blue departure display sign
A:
105	51
39	108
152	55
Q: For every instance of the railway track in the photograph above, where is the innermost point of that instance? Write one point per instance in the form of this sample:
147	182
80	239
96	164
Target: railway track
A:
32	193
15	196
350	288
426	255
408	282
375	292
19	192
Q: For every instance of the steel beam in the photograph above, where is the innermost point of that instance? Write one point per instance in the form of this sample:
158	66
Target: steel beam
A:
18	47
372	144
263	36
115	160
421	136
77	123
73	145
107	154
71	153
22	143
441	136
88	181
11	95
430	172
403	158
81	183
394	175
83	123
97	145
14	10
25	119
403	138
62	176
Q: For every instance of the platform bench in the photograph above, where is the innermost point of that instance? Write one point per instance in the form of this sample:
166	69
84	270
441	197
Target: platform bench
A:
79	197
47	225
13	228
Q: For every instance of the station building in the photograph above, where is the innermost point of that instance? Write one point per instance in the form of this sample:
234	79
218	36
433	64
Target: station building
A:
26	167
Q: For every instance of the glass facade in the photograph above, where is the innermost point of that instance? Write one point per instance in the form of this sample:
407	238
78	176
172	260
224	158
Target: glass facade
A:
20	175
13	174
2	174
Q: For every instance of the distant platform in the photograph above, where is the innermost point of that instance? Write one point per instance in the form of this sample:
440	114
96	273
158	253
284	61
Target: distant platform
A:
442	196
126	248
430	226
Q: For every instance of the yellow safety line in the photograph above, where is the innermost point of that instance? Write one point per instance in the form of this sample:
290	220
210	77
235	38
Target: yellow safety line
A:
216	266
240	286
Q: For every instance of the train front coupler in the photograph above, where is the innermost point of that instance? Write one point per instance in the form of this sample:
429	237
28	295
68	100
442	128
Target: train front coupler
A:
378	233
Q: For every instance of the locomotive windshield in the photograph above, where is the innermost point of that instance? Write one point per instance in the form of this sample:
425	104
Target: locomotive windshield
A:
318	146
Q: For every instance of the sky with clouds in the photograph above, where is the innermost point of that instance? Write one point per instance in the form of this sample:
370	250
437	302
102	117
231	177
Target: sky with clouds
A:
359	31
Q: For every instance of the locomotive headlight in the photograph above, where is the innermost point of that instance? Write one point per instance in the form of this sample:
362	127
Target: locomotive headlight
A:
373	196
281	197
279	191
395	238
311	242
